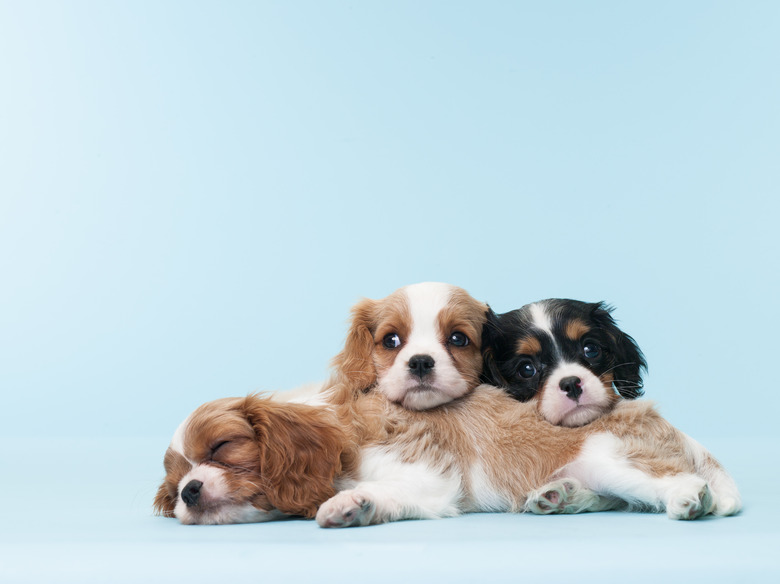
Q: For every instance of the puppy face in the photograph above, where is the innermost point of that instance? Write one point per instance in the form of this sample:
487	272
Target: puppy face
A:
241	460
569	355
420	346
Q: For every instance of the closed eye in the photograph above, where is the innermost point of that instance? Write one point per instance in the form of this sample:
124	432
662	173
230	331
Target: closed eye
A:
219	445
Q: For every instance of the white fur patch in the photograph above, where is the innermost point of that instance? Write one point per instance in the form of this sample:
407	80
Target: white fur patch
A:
400	490
724	490
177	442
561	410
604	468
540	318
485	497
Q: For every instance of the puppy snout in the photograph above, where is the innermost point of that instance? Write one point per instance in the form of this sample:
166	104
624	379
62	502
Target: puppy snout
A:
190	494
421	365
572	387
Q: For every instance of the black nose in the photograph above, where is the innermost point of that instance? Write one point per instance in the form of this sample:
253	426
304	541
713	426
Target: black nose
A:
421	365
191	493
572	386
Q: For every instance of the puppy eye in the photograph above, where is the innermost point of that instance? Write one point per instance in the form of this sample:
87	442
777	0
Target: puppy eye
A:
591	350
526	370
458	339
219	445
392	341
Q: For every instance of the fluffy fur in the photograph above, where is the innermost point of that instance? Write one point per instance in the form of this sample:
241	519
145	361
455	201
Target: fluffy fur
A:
489	452
569	356
241	460
485	451
379	458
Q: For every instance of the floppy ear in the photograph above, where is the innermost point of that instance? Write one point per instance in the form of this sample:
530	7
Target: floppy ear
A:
491	332
164	502
354	366
300	453
628	360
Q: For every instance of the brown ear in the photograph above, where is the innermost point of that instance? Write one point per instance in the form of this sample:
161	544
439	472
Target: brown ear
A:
354	366
300	456
163	502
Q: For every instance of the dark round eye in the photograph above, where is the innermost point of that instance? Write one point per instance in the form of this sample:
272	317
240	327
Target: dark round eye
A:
392	341
591	350
526	370
458	339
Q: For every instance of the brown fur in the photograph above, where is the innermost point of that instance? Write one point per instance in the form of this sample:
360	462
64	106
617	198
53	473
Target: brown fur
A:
176	466
529	346
467	315
516	447
576	329
280	456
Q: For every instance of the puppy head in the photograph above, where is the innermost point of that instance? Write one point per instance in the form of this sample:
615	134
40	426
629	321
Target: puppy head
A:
420	346
569	355
243	460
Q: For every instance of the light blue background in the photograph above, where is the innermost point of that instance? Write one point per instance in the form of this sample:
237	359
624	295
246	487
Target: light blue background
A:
193	194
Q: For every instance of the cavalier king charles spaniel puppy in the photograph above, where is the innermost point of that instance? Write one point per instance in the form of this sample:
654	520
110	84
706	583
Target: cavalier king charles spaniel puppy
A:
568	355
244	460
420	346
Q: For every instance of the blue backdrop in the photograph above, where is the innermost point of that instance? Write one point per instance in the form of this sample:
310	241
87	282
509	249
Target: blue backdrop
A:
193	194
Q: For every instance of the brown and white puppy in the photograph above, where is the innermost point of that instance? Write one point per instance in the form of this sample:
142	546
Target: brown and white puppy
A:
567	355
243	460
419	346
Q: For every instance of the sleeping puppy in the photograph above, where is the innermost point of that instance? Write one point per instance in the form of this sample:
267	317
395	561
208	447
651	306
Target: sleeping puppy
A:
244	460
569	355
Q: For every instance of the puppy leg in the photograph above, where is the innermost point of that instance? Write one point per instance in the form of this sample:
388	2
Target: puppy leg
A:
568	496
391	491
603	468
724	490
686	496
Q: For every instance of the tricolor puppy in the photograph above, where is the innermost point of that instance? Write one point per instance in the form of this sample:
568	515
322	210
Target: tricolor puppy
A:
419	346
242	460
568	355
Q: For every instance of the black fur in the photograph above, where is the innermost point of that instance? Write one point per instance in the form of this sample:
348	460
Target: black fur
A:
620	354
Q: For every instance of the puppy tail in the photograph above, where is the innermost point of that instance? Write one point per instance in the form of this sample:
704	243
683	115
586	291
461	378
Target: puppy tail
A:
724	490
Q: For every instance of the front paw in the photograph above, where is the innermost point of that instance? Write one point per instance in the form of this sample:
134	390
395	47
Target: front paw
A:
568	496
555	497
346	509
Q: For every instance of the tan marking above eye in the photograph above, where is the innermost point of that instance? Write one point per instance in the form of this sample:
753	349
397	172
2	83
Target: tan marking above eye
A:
528	346
576	329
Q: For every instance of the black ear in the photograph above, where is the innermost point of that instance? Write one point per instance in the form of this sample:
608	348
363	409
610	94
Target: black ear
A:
491	334
627	358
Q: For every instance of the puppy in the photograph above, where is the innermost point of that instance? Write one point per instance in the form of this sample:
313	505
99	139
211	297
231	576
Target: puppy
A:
481	450
241	460
568	355
420	346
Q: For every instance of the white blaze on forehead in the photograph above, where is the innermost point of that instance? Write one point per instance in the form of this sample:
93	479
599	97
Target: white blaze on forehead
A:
425	302
444	383
541	319
177	442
